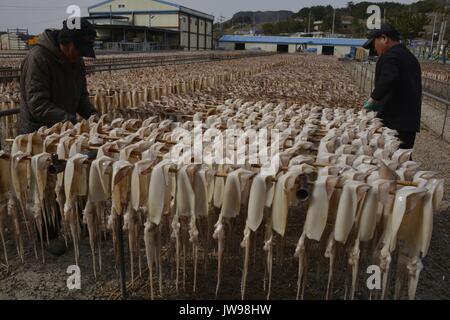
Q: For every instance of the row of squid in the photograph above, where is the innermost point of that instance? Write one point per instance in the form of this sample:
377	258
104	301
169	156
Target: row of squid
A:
317	80
139	93
359	188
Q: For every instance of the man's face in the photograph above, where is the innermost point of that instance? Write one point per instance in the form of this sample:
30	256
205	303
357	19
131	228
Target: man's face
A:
381	44
70	52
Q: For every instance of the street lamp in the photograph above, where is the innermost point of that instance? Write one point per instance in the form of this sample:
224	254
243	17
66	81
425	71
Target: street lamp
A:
150	21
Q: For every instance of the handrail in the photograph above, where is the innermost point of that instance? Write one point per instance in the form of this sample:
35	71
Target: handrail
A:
14	73
9	112
434	97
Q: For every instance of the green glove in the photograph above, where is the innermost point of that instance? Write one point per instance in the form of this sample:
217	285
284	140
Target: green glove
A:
370	105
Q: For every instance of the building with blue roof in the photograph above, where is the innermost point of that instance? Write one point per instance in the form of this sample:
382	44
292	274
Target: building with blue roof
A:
328	46
152	20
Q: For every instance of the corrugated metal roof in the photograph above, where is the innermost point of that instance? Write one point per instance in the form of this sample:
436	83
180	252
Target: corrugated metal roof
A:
289	40
180	8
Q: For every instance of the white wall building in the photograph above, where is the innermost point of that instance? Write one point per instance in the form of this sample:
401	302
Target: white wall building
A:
338	47
194	28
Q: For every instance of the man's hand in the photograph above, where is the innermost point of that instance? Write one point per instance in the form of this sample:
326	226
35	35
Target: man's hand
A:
370	105
70	117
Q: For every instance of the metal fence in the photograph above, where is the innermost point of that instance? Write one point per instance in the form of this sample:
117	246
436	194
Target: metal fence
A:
10	74
438	91
123	64
136	47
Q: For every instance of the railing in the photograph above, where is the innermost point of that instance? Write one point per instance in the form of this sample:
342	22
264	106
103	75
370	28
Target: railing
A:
438	91
136	47
10	74
129	63
8	128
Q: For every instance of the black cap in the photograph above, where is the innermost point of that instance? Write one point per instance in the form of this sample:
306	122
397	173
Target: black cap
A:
83	38
385	30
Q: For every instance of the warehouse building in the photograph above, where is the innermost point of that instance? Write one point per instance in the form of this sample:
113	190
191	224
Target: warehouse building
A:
338	47
14	39
152	21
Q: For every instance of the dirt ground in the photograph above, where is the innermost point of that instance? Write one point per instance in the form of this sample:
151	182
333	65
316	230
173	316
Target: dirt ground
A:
34	280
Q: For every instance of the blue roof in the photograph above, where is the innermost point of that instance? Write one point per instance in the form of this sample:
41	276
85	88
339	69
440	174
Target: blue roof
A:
289	40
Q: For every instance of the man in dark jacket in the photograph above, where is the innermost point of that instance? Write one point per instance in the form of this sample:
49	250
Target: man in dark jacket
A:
53	78
53	88
397	96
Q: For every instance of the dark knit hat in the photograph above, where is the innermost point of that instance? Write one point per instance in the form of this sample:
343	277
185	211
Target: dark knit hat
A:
385	30
82	38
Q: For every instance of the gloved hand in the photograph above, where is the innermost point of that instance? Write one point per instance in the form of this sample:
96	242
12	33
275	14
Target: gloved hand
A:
370	105
70	117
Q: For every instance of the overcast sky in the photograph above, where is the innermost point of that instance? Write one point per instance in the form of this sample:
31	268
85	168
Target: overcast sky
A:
37	15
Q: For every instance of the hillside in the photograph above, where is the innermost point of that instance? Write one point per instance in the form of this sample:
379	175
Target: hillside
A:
259	17
412	20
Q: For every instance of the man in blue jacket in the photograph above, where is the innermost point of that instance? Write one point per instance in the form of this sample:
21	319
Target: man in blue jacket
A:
397	96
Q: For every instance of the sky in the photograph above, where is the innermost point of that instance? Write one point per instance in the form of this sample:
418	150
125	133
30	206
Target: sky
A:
38	15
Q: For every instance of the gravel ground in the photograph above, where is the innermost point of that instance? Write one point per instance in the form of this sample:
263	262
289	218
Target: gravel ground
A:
433	116
434	154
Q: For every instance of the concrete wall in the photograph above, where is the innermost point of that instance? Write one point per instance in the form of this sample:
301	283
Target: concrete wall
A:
184	26
209	27
319	48
193	41
196	25
201	42
184	36
263	46
194	22
227	45
165	21
341	51
293	48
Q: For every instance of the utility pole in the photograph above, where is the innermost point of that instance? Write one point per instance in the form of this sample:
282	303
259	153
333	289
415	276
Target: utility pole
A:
221	22
334	20
432	34
309	21
441	36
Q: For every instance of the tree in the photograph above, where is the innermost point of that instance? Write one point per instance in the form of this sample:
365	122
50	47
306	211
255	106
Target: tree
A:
267	28
446	11
243	20
427	6
288	26
358	29
328	22
410	25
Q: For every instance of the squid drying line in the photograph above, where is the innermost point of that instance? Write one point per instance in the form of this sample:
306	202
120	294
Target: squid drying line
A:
361	190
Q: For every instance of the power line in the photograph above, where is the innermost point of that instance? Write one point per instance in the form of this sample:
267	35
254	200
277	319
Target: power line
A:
33	23
21	8
32	7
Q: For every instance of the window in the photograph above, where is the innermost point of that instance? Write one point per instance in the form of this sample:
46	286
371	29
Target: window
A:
121	6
